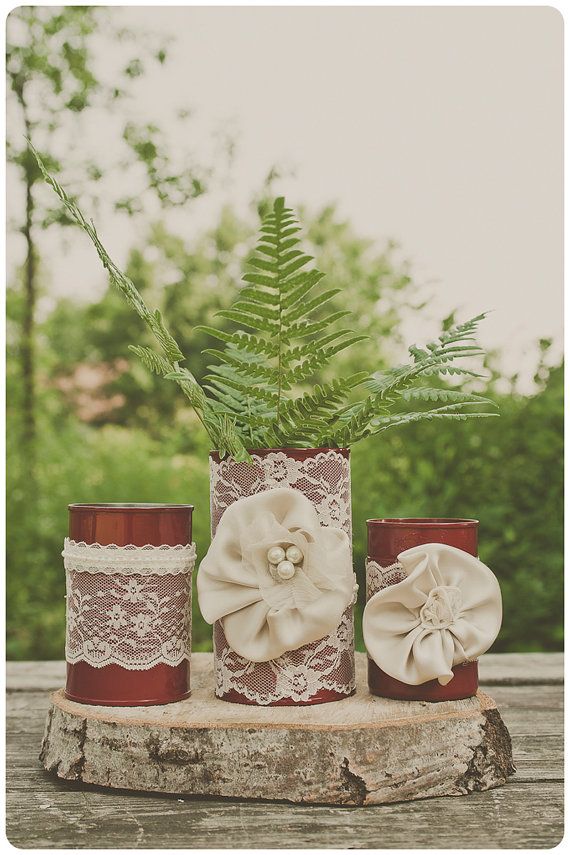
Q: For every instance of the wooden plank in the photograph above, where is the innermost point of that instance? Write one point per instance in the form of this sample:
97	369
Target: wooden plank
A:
531	709
60	816
362	750
44	812
521	669
494	669
35	676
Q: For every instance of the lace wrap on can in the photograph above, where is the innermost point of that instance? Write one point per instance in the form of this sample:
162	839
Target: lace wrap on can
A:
128	605
325	664
378	577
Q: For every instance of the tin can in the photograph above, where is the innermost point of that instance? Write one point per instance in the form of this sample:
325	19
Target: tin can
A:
387	538
129	584
319	672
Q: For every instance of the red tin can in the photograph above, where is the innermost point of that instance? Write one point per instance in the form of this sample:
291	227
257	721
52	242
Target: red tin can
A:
386	539
323	476
136	525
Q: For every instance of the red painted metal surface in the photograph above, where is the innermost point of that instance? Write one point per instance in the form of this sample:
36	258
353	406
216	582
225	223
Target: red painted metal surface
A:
324	696
386	539
124	524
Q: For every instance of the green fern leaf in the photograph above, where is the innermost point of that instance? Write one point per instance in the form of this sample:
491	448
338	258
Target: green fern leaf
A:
386	389
274	303
450	395
151	360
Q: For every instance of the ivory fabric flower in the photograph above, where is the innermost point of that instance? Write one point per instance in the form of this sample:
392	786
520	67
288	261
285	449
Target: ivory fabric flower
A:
445	612
274	576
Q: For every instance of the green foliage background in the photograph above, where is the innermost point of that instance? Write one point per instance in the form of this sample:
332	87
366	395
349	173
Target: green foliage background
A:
506	472
87	422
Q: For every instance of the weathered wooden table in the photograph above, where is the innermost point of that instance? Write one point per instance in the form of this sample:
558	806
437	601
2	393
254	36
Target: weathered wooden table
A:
44	812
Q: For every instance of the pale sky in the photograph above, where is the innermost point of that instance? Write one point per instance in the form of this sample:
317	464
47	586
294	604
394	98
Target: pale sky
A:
438	127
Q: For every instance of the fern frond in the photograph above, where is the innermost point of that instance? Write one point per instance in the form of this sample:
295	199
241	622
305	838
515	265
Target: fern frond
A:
247	341
225	375
305	328
386	389
310	416
249	369
430	415
164	338
422	393
277	303
261	324
255	386
151	360
451	370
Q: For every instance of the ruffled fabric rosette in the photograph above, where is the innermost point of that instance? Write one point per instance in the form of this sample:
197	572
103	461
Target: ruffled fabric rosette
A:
274	576
447	611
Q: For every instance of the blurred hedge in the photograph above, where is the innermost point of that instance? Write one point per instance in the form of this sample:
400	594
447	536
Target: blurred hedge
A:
507	473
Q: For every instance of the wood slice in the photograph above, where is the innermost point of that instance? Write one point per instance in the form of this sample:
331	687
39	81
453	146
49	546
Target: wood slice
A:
362	750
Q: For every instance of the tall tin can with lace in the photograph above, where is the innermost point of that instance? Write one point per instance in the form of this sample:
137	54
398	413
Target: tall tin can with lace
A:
129	585
321	671
387	538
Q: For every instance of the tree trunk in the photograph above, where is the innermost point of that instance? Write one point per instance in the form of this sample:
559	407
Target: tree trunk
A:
27	348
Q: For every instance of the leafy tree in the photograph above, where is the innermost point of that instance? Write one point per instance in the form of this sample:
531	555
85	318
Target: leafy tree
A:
53	80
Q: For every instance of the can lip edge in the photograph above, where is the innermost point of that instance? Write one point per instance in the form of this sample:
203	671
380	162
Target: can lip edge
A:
424	522
127	506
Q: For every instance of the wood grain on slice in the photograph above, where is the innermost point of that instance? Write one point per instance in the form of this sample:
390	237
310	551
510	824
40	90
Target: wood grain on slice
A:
363	750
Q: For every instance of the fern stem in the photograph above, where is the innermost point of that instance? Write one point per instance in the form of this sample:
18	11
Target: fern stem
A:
278	208
189	385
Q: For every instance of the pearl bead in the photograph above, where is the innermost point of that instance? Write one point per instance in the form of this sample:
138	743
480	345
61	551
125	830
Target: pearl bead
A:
294	554
286	570
275	555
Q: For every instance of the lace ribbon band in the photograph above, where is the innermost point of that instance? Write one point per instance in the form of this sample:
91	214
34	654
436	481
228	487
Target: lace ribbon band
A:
378	577
128	605
143	560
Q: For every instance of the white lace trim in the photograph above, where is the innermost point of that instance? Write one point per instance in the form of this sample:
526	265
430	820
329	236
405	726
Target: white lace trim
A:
128	605
324	664
113	559
378	577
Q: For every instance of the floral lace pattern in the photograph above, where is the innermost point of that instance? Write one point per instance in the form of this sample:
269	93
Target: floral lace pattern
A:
128	605
324	664
378	577
324	479
298	674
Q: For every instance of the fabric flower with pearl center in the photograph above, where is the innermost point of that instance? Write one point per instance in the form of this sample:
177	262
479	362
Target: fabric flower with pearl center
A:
446	611
274	576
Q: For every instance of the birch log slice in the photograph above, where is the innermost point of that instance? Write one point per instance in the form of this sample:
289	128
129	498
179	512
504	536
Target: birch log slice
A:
362	750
